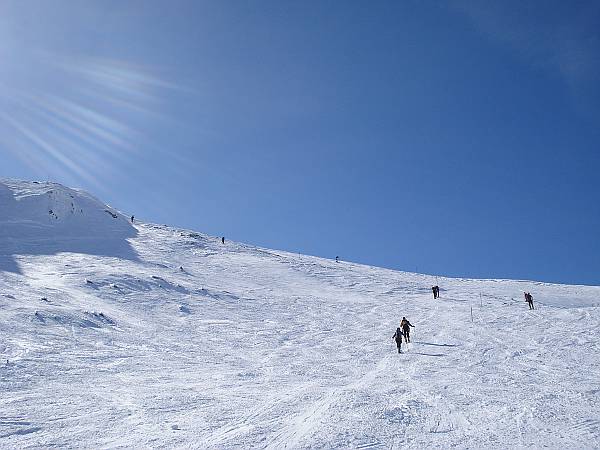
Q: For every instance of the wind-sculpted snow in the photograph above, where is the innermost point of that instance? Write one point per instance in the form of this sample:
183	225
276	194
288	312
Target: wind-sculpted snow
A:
47	218
196	344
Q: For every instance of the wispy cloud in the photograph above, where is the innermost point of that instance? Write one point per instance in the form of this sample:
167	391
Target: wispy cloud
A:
83	117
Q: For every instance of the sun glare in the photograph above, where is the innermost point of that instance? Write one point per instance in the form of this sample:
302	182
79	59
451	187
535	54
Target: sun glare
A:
73	118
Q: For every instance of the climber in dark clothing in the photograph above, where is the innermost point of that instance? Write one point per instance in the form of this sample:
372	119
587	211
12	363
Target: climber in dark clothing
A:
223	240
529	299
434	292
398	338
405	324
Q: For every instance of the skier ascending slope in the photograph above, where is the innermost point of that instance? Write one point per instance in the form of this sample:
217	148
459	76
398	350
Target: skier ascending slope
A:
405	324
398	338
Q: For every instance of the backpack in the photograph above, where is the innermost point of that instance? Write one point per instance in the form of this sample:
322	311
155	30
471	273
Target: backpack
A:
398	335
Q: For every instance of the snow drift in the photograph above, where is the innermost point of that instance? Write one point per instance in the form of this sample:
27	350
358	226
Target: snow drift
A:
33	209
45	218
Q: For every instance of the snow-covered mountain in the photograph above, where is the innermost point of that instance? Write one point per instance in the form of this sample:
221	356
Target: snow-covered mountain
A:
115	334
49	210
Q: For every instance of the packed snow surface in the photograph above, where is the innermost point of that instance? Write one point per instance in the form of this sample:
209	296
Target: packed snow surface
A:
115	334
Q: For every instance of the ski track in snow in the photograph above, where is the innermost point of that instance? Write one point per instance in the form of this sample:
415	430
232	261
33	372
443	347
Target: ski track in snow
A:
254	348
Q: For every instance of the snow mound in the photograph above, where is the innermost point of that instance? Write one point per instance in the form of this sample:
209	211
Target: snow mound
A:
42	210
38	218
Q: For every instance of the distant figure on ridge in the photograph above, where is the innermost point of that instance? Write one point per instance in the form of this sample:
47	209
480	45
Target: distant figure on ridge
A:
405	324
436	291
223	240
398	338
337	259
529	299
132	218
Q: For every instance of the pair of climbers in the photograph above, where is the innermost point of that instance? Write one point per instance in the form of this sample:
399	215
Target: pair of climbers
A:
529	299
402	331
436	291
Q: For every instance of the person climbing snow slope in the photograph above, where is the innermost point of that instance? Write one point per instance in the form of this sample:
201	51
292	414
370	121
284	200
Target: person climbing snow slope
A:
405	324
398	338
529	299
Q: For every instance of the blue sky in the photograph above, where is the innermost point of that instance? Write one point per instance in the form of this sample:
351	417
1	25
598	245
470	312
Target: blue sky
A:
457	138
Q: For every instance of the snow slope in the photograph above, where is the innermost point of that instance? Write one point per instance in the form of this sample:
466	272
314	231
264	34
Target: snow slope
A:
47	218
113	335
